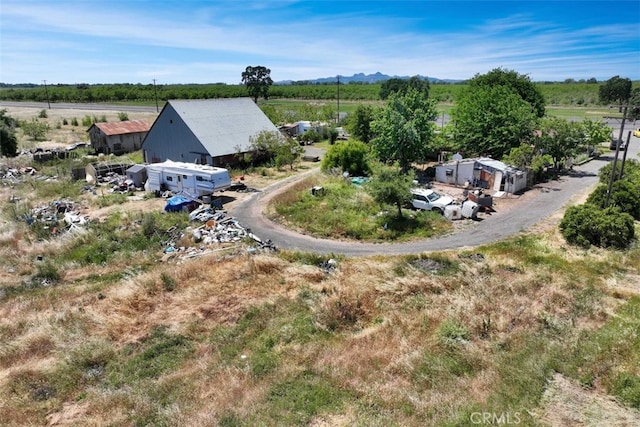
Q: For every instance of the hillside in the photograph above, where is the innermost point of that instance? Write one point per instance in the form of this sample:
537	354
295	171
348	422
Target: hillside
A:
101	327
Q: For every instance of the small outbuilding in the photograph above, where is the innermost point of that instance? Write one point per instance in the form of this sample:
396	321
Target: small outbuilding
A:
483	172
138	175
118	137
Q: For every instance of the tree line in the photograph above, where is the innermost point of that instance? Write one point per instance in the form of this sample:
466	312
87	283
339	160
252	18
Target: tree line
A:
574	93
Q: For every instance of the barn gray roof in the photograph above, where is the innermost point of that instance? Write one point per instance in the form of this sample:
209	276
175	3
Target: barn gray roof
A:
221	124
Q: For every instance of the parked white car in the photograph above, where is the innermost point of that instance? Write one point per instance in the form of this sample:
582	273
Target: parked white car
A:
429	200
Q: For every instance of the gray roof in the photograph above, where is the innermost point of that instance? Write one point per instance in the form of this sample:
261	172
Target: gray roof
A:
223	123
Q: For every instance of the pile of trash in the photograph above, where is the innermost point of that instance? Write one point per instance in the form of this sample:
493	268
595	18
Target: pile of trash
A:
217	232
15	175
56	217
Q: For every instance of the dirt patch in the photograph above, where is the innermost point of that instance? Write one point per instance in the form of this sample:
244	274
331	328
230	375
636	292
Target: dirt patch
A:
566	404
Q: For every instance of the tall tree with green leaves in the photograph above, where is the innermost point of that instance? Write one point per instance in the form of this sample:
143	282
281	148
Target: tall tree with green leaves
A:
560	138
616	90
257	80
390	185
8	140
404	130
517	83
360	123
491	120
401	86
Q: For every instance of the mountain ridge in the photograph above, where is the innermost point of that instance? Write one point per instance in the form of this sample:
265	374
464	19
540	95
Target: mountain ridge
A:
365	78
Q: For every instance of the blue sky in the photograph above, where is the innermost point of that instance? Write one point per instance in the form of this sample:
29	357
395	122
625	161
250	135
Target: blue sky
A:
190	41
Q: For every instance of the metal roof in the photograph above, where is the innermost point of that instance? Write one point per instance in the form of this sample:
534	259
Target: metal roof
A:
222	124
120	128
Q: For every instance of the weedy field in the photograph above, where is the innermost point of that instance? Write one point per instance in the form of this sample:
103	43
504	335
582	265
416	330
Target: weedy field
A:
96	330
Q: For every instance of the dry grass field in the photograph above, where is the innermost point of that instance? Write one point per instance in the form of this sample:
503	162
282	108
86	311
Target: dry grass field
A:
528	329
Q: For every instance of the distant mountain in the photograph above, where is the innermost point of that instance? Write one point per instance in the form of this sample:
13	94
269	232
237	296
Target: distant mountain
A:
364	78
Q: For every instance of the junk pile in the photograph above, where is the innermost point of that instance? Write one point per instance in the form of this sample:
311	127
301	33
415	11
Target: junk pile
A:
56	217
15	175
217	232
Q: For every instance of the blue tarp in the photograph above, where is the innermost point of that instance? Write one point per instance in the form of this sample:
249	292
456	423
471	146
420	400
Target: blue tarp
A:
176	203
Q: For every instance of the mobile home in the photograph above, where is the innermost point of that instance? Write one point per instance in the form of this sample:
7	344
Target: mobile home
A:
190	178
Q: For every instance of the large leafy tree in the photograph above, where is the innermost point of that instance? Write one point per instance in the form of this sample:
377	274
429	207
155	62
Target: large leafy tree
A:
8	140
634	101
491	120
391	185
615	90
560	138
401	86
517	83
350	156
257	80
404	129
360	123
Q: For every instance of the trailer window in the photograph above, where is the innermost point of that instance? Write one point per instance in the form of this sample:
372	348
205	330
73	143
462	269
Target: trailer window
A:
199	178
169	178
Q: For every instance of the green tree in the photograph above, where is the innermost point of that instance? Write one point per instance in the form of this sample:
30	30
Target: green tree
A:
491	120
615	90
390	185
404	129
8	142
360	123
560	139
350	156
264	145
634	101
288	152
517	83
595	132
401	86
257	80
35	129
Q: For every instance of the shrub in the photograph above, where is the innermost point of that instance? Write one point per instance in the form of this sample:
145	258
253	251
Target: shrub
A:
87	121
35	129
625	194
310	136
74	122
585	225
123	117
350	156
43	114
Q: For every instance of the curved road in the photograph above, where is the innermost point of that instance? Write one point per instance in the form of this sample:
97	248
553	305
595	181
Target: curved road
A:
524	214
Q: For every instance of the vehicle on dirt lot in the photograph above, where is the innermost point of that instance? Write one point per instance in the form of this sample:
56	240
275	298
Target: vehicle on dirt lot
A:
636	132
429	200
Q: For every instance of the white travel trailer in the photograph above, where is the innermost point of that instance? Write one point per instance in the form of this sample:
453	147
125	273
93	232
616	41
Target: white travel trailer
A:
190	178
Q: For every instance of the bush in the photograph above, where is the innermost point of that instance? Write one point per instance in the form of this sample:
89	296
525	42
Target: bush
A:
624	195
43	114
74	122
310	136
350	156
586	225
123	117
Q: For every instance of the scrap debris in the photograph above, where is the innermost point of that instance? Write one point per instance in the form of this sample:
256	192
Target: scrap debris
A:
217	232
56	217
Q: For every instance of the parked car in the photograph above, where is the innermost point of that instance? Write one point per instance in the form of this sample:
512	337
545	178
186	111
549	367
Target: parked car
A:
615	142
636	132
429	200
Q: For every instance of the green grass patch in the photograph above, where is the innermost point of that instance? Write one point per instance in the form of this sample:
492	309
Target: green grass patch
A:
297	400
262	335
529	250
611	355
161	352
346	211
124	235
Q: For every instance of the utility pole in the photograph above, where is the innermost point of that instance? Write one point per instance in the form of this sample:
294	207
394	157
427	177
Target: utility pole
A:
625	109
46	91
338	117
156	94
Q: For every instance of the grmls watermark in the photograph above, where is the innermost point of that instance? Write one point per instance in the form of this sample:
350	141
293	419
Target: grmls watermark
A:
493	418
